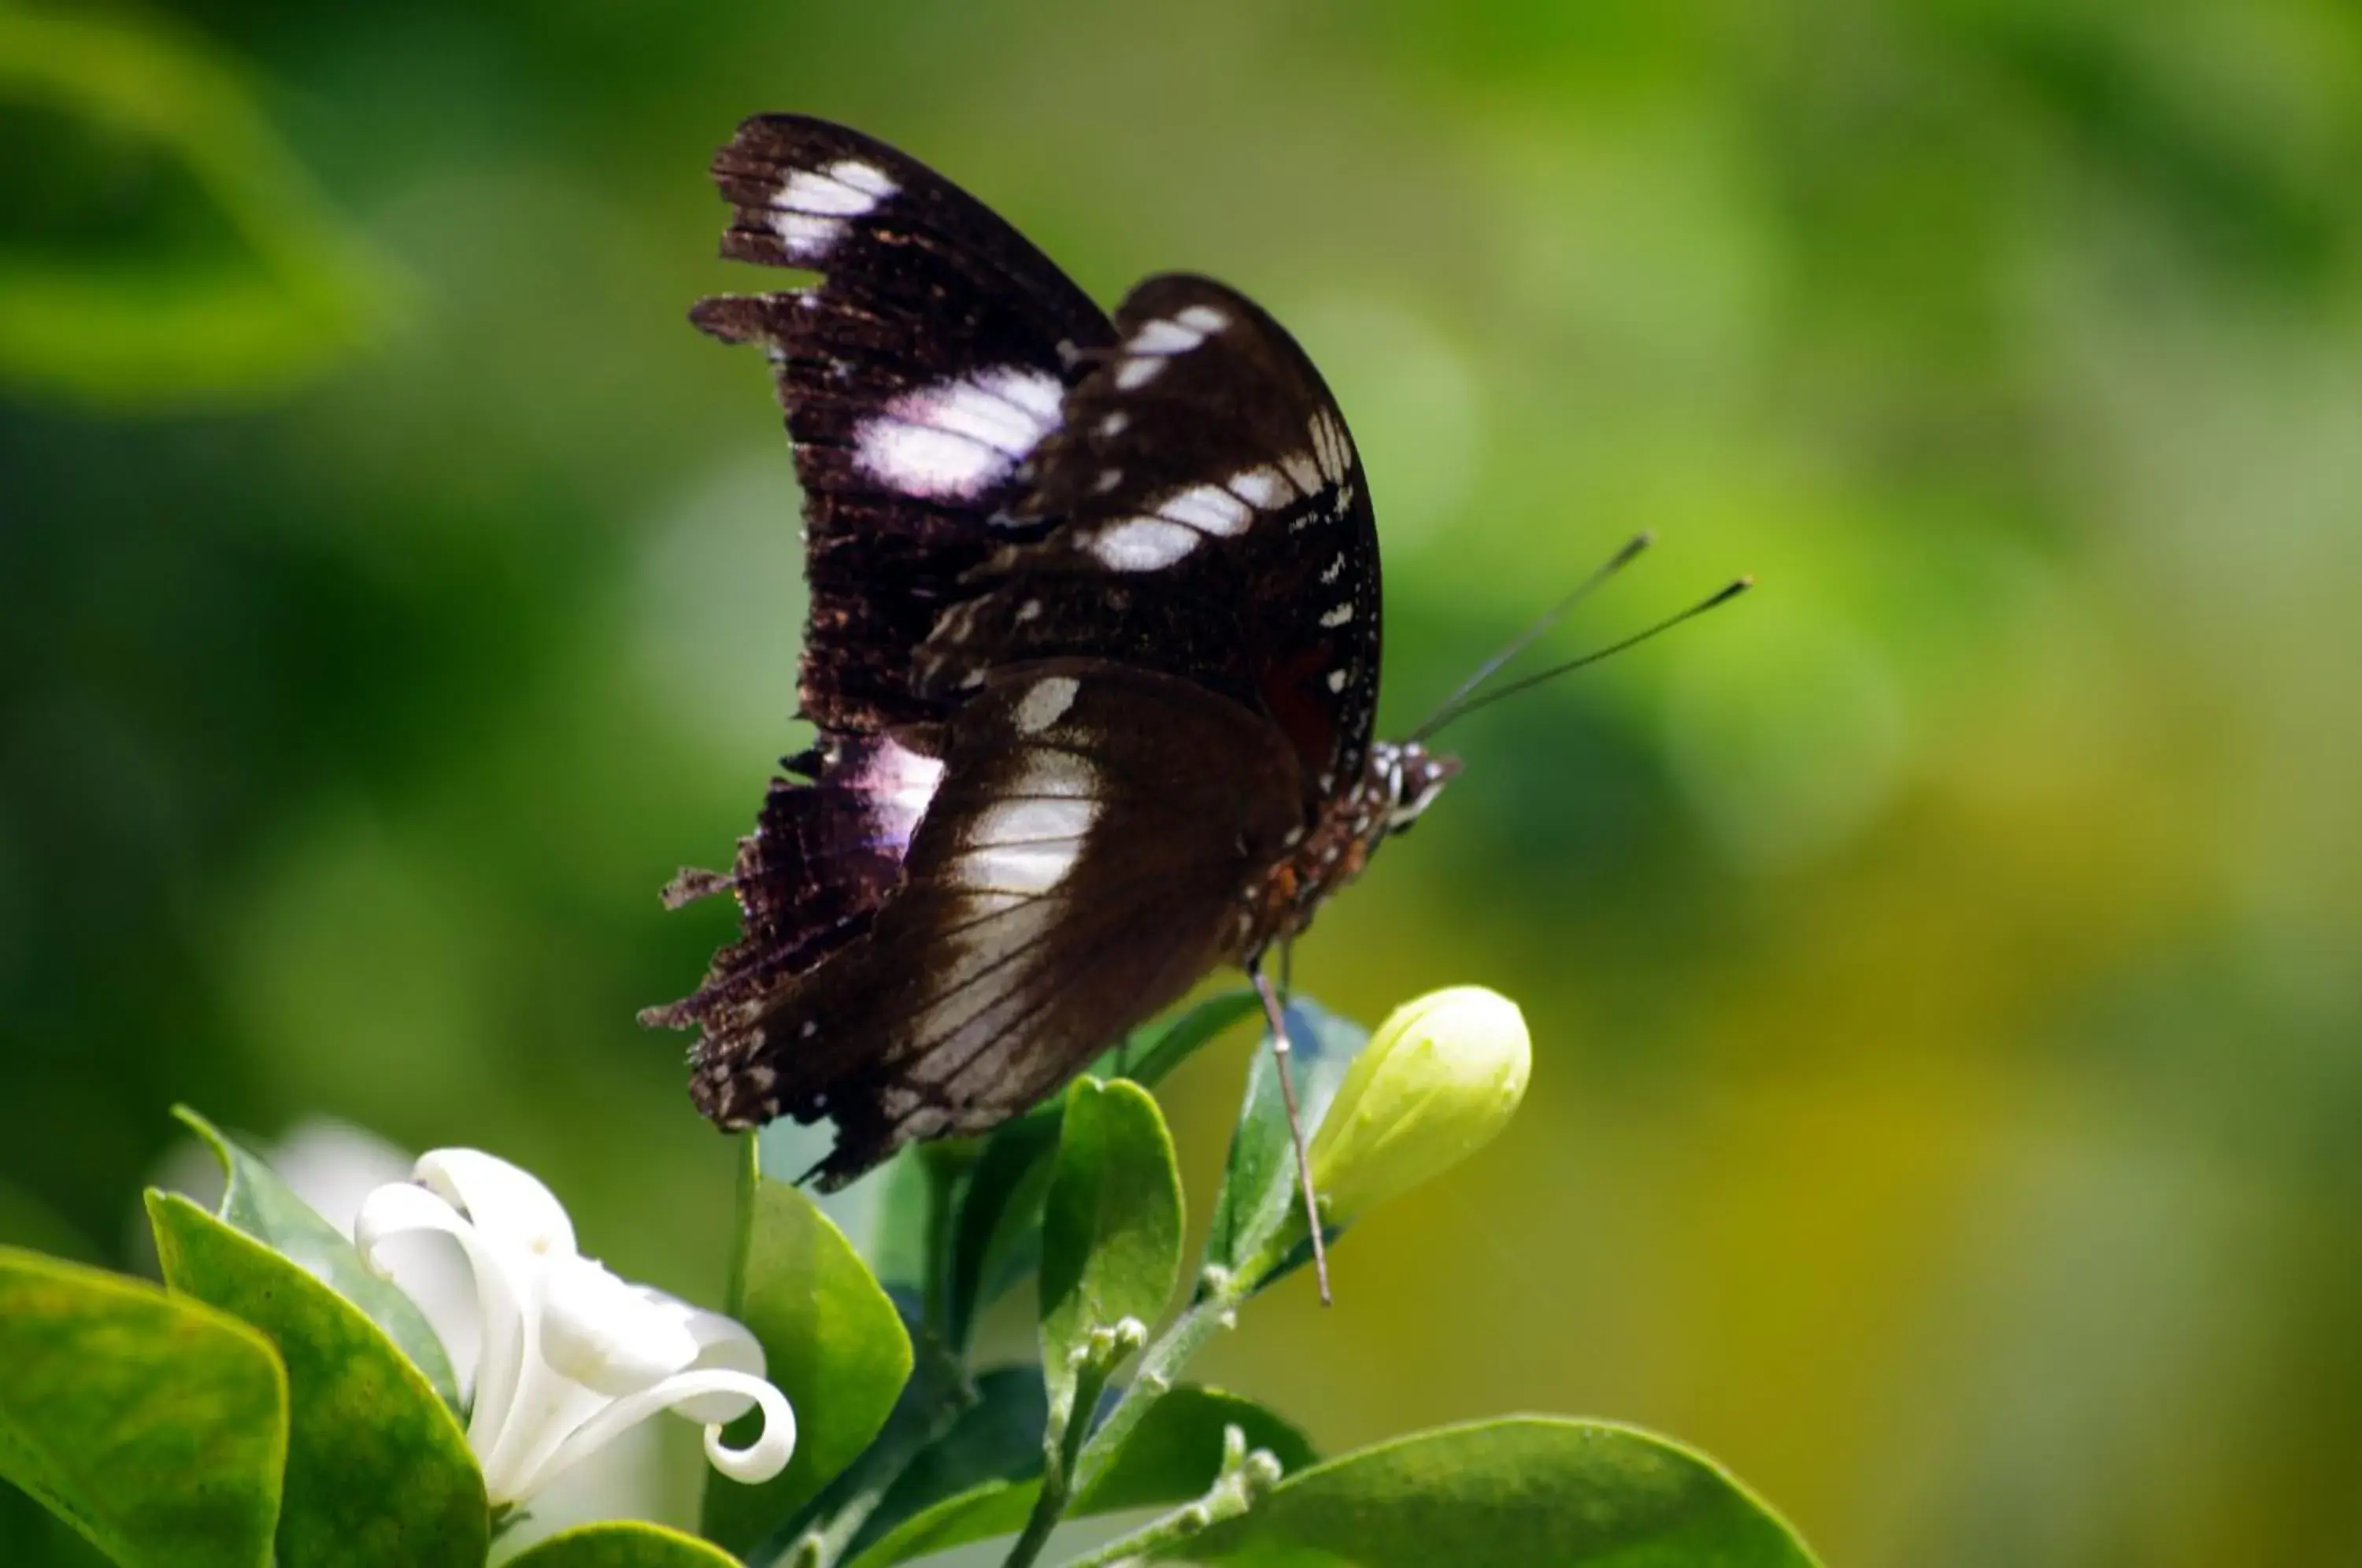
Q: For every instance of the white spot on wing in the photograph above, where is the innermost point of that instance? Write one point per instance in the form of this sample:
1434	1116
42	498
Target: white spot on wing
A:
1336	680
1337	617
807	237
846	189
1207	507
1329	446
1264	488
1045	703
808	211
1143	543
1179	334
1027	842
1113	425
862	176
959	438
1164	337
1304	470
1029	609
1334	569
898	783
1134	374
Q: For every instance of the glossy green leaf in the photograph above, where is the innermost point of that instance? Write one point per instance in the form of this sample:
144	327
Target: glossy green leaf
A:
1523	1492
296	287
996	1234
30	1534
985	1510
378	1470
1261	1189
1176	1450
154	1425
831	1342
976	1480
1172	1458
621	1543
1111	1223
898	1250
259	1203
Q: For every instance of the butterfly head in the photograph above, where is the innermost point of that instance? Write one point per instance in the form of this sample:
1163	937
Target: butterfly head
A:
1403	779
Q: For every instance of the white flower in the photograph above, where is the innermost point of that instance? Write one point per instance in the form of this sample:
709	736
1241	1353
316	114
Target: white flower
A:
572	1355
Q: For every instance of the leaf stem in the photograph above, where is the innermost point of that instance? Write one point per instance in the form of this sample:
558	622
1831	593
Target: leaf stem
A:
1160	1367
1244	1476
1062	1448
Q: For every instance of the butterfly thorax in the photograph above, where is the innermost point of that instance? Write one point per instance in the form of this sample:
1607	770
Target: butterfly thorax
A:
1401	780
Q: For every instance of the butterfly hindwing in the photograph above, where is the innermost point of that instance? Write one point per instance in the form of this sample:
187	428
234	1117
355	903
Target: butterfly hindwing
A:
1087	856
1208	517
918	375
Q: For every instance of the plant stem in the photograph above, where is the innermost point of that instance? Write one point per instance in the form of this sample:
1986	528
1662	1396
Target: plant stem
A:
1243	1477
1160	1368
1062	1446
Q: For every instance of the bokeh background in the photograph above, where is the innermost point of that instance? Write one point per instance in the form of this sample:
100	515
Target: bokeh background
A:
1943	964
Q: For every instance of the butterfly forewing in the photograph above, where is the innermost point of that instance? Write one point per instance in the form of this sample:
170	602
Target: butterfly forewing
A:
1208	518
919	375
1088	855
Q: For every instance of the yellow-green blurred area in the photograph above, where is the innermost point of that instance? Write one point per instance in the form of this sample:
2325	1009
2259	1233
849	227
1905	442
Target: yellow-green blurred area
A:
1945	965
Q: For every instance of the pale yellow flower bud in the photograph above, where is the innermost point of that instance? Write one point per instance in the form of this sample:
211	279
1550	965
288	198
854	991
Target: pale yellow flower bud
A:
1437	1081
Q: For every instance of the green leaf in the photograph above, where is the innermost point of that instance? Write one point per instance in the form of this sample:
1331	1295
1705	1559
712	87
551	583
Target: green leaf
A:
1261	1187
259	1203
1172	1458
897	1250
1176	1450
831	1342
154	1425
1110	1224
621	1543
997	1232
983	1511
977	1480
377	1470
996	1238
1522	1490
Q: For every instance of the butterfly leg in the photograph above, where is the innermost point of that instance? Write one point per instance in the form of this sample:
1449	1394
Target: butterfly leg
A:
1277	1018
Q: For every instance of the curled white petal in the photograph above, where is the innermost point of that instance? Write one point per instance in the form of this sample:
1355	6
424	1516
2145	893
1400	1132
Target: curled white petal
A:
723	1344
758	1462
509	1204
572	1355
608	1335
505	1293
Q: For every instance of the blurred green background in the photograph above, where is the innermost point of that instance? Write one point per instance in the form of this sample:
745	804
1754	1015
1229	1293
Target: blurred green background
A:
1942	964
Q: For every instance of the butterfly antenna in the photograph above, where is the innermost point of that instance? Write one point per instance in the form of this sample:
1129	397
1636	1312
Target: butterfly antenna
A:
1445	710
1277	1018
1721	597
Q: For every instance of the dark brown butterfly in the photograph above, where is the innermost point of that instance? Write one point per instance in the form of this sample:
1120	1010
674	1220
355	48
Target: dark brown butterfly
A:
1093	653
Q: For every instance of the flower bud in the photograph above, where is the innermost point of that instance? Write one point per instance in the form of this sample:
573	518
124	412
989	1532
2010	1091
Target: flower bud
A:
1437	1082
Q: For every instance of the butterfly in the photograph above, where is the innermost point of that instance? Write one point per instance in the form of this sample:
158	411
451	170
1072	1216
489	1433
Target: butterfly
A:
1092	651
